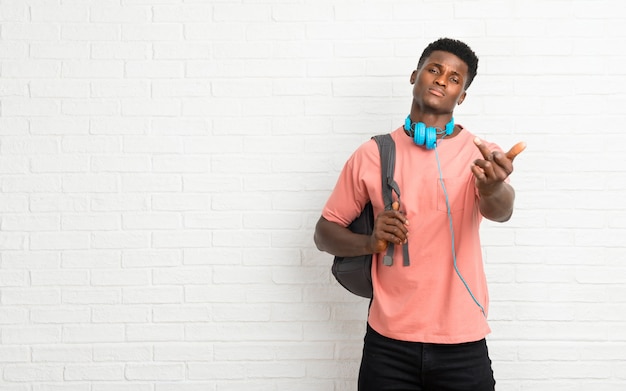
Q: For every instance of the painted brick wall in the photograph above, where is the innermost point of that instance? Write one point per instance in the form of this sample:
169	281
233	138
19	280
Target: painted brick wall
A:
163	163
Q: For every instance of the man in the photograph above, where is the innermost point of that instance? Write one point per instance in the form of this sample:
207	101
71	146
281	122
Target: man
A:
427	321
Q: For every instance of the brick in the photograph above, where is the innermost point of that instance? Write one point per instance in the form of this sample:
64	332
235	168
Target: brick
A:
59	126
215	31
33	373
61	387
119	240
152	32
92	259
92	296
120	50
93	69
182	239
183	352
13	13
119	89
154	69
79	183
133	386
61	14
31	335
178	88
152	221
30	31
59	241
90	32
141	182
212	256
120	164
217	294
36	107
177	202
13	166
155	332
101	372
210	69
181	164
158	372
51	163
62	354
60	315
12	316
59	278
127	352
187	276
380	12
113	125
89	144
94	334
177	314
120	278
155	295
142	107
241	13
14	354
180	126
121	314
13	126
60	50
127	14
115	202
185	14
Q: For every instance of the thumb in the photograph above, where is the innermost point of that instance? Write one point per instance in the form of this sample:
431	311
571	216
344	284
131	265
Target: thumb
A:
516	150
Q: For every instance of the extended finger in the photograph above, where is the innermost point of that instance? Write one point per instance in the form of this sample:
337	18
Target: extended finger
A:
516	150
482	148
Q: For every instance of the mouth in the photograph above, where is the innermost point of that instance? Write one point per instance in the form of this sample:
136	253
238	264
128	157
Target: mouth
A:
437	92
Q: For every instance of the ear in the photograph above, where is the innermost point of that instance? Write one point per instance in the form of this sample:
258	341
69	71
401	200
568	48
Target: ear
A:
462	98
413	77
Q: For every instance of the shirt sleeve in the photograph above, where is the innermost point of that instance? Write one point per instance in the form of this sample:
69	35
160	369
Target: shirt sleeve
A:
353	188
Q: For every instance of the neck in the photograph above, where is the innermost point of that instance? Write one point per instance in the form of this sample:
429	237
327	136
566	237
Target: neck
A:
430	119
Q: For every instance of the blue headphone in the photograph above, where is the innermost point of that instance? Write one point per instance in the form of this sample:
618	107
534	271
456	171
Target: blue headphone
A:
423	135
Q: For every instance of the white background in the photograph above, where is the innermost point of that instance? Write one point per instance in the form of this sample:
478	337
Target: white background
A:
163	163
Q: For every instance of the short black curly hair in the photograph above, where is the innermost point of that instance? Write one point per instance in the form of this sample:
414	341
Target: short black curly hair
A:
459	49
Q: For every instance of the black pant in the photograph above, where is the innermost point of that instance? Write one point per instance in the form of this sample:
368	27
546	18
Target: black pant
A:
389	364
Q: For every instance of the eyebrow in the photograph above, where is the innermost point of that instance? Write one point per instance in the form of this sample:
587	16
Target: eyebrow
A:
441	66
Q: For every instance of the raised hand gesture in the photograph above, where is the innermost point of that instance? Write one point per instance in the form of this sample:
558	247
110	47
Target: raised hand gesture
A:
494	168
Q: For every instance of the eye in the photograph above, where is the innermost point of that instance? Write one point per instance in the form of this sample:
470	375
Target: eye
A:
455	80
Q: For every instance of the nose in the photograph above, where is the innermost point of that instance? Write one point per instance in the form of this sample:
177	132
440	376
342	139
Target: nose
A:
440	81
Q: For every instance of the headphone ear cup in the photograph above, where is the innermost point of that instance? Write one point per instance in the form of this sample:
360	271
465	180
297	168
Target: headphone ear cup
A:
420	134
431	138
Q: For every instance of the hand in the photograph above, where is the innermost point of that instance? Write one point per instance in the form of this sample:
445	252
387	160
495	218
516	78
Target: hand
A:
390	226
496	166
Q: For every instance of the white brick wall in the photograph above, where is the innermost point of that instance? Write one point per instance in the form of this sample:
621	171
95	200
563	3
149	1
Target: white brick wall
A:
163	163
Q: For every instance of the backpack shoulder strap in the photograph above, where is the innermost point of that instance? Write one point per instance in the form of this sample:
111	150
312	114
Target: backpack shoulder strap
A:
387	150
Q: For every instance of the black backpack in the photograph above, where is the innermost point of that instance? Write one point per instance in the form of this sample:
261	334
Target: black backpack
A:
355	273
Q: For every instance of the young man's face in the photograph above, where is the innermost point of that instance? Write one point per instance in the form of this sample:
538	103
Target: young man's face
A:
439	84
